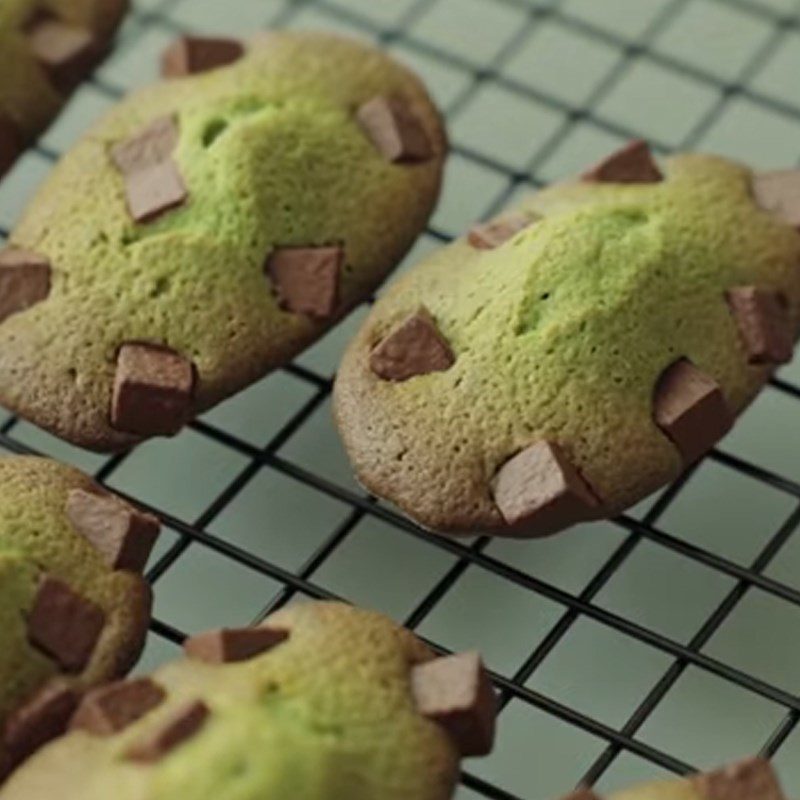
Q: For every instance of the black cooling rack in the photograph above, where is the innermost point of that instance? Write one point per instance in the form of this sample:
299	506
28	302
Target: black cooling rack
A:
155	14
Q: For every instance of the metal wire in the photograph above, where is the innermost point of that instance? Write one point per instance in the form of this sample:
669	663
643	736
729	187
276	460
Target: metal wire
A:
194	533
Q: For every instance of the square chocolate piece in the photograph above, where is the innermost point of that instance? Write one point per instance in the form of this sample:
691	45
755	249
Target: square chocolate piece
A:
306	279
690	409
24	280
153	191
192	54
632	163
414	347
492	234
180	726
394	130
455	692
538	491
122	534
64	625
41	719
227	645
109	709
67	52
153	388
152	145
764	325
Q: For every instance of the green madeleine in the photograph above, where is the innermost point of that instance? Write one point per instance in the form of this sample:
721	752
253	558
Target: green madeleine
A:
272	156
37	539
327	714
560	334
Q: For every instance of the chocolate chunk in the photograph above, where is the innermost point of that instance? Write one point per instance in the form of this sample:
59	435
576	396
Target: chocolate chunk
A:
778	193
10	143
764	325
64	625
181	725
539	491
24	280
152	145
632	163
456	693
751	779
112	708
123	535
153	182
233	644
41	719
690	409
488	235
306	279
153	388
66	52
395	130
153	191
414	347
193	54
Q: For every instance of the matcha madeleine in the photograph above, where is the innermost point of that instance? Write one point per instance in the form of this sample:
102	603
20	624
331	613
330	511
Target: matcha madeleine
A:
208	229
565	359
322	701
75	607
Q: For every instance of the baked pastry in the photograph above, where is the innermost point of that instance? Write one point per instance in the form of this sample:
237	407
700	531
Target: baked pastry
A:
322	702
74	607
750	779
48	47
564	360
208	229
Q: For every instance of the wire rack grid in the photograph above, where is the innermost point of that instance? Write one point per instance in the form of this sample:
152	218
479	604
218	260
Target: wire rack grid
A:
657	643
